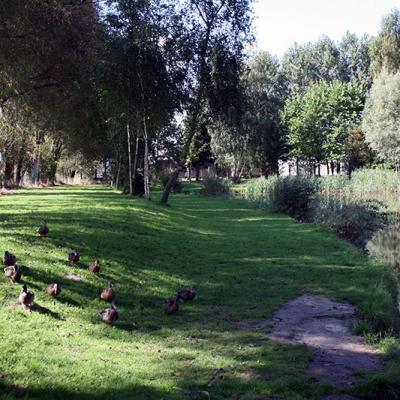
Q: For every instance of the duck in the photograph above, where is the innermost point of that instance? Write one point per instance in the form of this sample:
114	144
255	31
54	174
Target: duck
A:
54	289
9	259
108	294
26	298
95	266
187	294
14	273
109	315
43	230
171	306
74	257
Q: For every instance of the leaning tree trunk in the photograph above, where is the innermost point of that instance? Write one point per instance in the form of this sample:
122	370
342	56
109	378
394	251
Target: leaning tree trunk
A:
194	121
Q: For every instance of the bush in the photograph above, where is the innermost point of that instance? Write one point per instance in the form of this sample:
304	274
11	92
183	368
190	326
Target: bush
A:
163	177
385	246
294	195
355	221
215	187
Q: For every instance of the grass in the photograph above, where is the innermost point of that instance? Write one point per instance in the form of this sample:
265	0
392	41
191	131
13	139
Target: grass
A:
245	262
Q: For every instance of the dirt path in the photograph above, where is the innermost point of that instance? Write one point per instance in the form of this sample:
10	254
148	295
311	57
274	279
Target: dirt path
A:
325	326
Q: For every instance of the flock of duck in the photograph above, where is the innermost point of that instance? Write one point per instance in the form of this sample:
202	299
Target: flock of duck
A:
108	315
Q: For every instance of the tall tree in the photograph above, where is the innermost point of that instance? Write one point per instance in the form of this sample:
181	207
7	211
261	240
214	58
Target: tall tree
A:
386	46
381	119
266	89
319	121
205	25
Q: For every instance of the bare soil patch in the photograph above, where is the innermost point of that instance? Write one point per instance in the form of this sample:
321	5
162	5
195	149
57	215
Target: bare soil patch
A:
326	327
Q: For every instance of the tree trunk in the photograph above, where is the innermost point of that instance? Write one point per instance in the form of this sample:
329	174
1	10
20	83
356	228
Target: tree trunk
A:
190	173
197	174
338	167
135	160
194	121
146	160
8	174
128	132
118	172
327	168
297	166
332	168
18	173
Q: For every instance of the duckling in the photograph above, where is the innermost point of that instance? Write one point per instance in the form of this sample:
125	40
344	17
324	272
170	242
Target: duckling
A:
95	266
43	230
171	306
26	298
9	259
74	257
108	294
54	289
186	295
14	273
109	315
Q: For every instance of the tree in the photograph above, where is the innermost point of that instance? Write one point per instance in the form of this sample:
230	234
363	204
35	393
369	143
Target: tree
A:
357	151
140	79
312	62
381	119
266	89
356	59
205	25
319	121
200	154
386	46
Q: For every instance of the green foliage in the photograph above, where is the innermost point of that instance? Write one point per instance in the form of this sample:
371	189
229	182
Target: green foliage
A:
355	221
385	246
386	45
381	119
259	190
265	87
215	187
293	195
319	121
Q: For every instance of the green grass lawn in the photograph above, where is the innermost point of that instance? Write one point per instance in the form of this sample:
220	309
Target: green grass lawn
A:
245	262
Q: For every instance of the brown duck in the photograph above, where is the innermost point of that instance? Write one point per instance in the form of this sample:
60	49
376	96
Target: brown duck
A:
74	257
54	289
109	315
171	306
43	230
95	266
187	295
26	298
108	294
14	273
9	259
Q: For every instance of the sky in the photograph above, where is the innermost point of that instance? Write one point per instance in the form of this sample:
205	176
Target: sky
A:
280	23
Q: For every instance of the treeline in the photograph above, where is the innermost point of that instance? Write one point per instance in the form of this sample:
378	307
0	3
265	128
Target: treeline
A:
325	104
135	85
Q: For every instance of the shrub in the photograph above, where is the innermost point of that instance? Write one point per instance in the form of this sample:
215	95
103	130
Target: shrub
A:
385	246
355	221
215	187
163	177
294	195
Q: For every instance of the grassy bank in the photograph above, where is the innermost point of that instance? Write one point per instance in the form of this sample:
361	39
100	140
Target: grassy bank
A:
244	261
